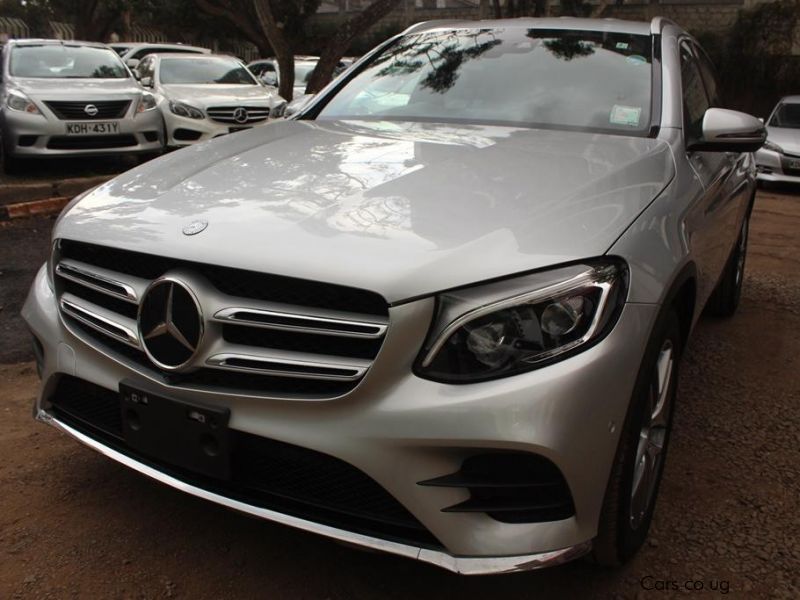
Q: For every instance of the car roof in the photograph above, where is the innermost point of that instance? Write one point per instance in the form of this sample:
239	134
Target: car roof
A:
139	45
568	23
795	99
190	56
54	42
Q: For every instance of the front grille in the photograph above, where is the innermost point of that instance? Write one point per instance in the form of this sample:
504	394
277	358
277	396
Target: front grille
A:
90	142
77	110
265	473
238	115
274	336
510	487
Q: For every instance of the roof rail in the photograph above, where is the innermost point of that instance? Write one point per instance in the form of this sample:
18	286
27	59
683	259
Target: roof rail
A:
424	25
657	24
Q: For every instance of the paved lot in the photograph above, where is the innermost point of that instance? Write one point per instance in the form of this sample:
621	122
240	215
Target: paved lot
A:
75	525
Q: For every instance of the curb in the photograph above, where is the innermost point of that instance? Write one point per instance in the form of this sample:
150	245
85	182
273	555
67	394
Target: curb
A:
48	206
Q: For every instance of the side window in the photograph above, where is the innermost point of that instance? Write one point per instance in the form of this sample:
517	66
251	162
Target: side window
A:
710	79
695	101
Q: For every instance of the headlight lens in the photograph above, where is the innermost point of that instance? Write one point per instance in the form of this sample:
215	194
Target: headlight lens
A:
517	325
146	102
20	102
184	110
277	111
773	147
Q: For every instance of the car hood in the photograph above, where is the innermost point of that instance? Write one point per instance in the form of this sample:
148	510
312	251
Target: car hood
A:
787	139
80	89
404	209
203	96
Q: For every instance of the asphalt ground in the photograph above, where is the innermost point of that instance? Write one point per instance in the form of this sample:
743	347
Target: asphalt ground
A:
73	524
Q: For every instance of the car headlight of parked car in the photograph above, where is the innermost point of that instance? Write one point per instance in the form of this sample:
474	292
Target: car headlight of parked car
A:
516	325
278	111
184	110
19	101
146	102
774	147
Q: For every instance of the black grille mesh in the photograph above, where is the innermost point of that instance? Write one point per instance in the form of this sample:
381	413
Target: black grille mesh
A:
76	110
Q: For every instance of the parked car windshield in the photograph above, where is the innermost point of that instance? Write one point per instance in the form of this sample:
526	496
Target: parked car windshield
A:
204	71
64	61
558	79
786	115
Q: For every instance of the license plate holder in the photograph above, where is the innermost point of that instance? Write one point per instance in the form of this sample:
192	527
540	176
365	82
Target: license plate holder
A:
183	434
92	128
236	129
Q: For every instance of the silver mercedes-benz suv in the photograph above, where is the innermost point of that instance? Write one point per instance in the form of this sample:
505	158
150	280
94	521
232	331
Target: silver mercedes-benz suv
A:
440	313
72	98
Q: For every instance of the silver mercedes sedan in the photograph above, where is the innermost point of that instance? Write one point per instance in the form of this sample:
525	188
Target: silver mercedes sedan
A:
72	99
440	313
779	159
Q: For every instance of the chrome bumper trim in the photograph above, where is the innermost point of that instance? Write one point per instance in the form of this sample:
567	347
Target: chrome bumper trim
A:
465	565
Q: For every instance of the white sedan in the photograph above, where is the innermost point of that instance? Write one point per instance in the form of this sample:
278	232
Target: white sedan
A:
205	96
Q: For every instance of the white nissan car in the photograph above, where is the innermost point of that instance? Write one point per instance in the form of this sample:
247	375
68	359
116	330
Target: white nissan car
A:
204	96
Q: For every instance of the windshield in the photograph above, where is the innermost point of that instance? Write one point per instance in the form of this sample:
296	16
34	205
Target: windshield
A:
786	115
204	71
73	62
561	79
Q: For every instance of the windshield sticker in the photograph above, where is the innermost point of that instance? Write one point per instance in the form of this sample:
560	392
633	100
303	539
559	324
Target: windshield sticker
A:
625	115
623	45
636	59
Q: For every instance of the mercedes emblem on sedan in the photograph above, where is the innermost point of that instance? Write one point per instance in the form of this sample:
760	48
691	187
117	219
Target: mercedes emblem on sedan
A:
91	110
170	324
240	115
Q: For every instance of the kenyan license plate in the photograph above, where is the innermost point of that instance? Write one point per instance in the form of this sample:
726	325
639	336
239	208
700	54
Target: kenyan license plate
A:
99	128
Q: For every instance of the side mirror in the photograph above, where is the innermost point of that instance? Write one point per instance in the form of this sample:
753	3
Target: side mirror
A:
146	81
270	78
730	131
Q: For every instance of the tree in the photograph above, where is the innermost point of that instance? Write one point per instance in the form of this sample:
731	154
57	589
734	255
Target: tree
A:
278	26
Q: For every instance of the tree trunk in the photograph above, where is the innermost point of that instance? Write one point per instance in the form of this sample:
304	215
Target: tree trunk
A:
283	51
336	47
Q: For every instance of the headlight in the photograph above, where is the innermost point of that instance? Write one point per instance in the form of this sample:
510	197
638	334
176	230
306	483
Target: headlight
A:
184	110
146	102
277	111
516	325
19	101
773	147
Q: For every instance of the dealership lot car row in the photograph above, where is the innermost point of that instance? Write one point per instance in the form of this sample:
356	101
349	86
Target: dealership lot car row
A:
75	98
500	240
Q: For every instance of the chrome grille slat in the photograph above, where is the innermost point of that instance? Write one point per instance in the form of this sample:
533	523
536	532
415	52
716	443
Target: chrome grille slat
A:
102	280
101	320
282	366
296	321
225	114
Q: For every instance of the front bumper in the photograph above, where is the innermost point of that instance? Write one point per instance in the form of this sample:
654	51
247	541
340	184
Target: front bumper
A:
183	131
775	167
400	430
38	136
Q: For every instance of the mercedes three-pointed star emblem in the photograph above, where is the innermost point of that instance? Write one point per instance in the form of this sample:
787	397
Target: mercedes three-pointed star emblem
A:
170	324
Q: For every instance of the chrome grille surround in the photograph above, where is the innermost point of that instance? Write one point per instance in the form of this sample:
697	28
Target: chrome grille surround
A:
232	115
101	306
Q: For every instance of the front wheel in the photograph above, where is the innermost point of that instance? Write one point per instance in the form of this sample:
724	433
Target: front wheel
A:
638	466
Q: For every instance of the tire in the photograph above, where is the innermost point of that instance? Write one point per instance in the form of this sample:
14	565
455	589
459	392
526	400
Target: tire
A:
725	298
11	164
625	517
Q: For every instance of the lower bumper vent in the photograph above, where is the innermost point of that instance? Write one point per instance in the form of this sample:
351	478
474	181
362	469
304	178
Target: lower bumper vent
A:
511	487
